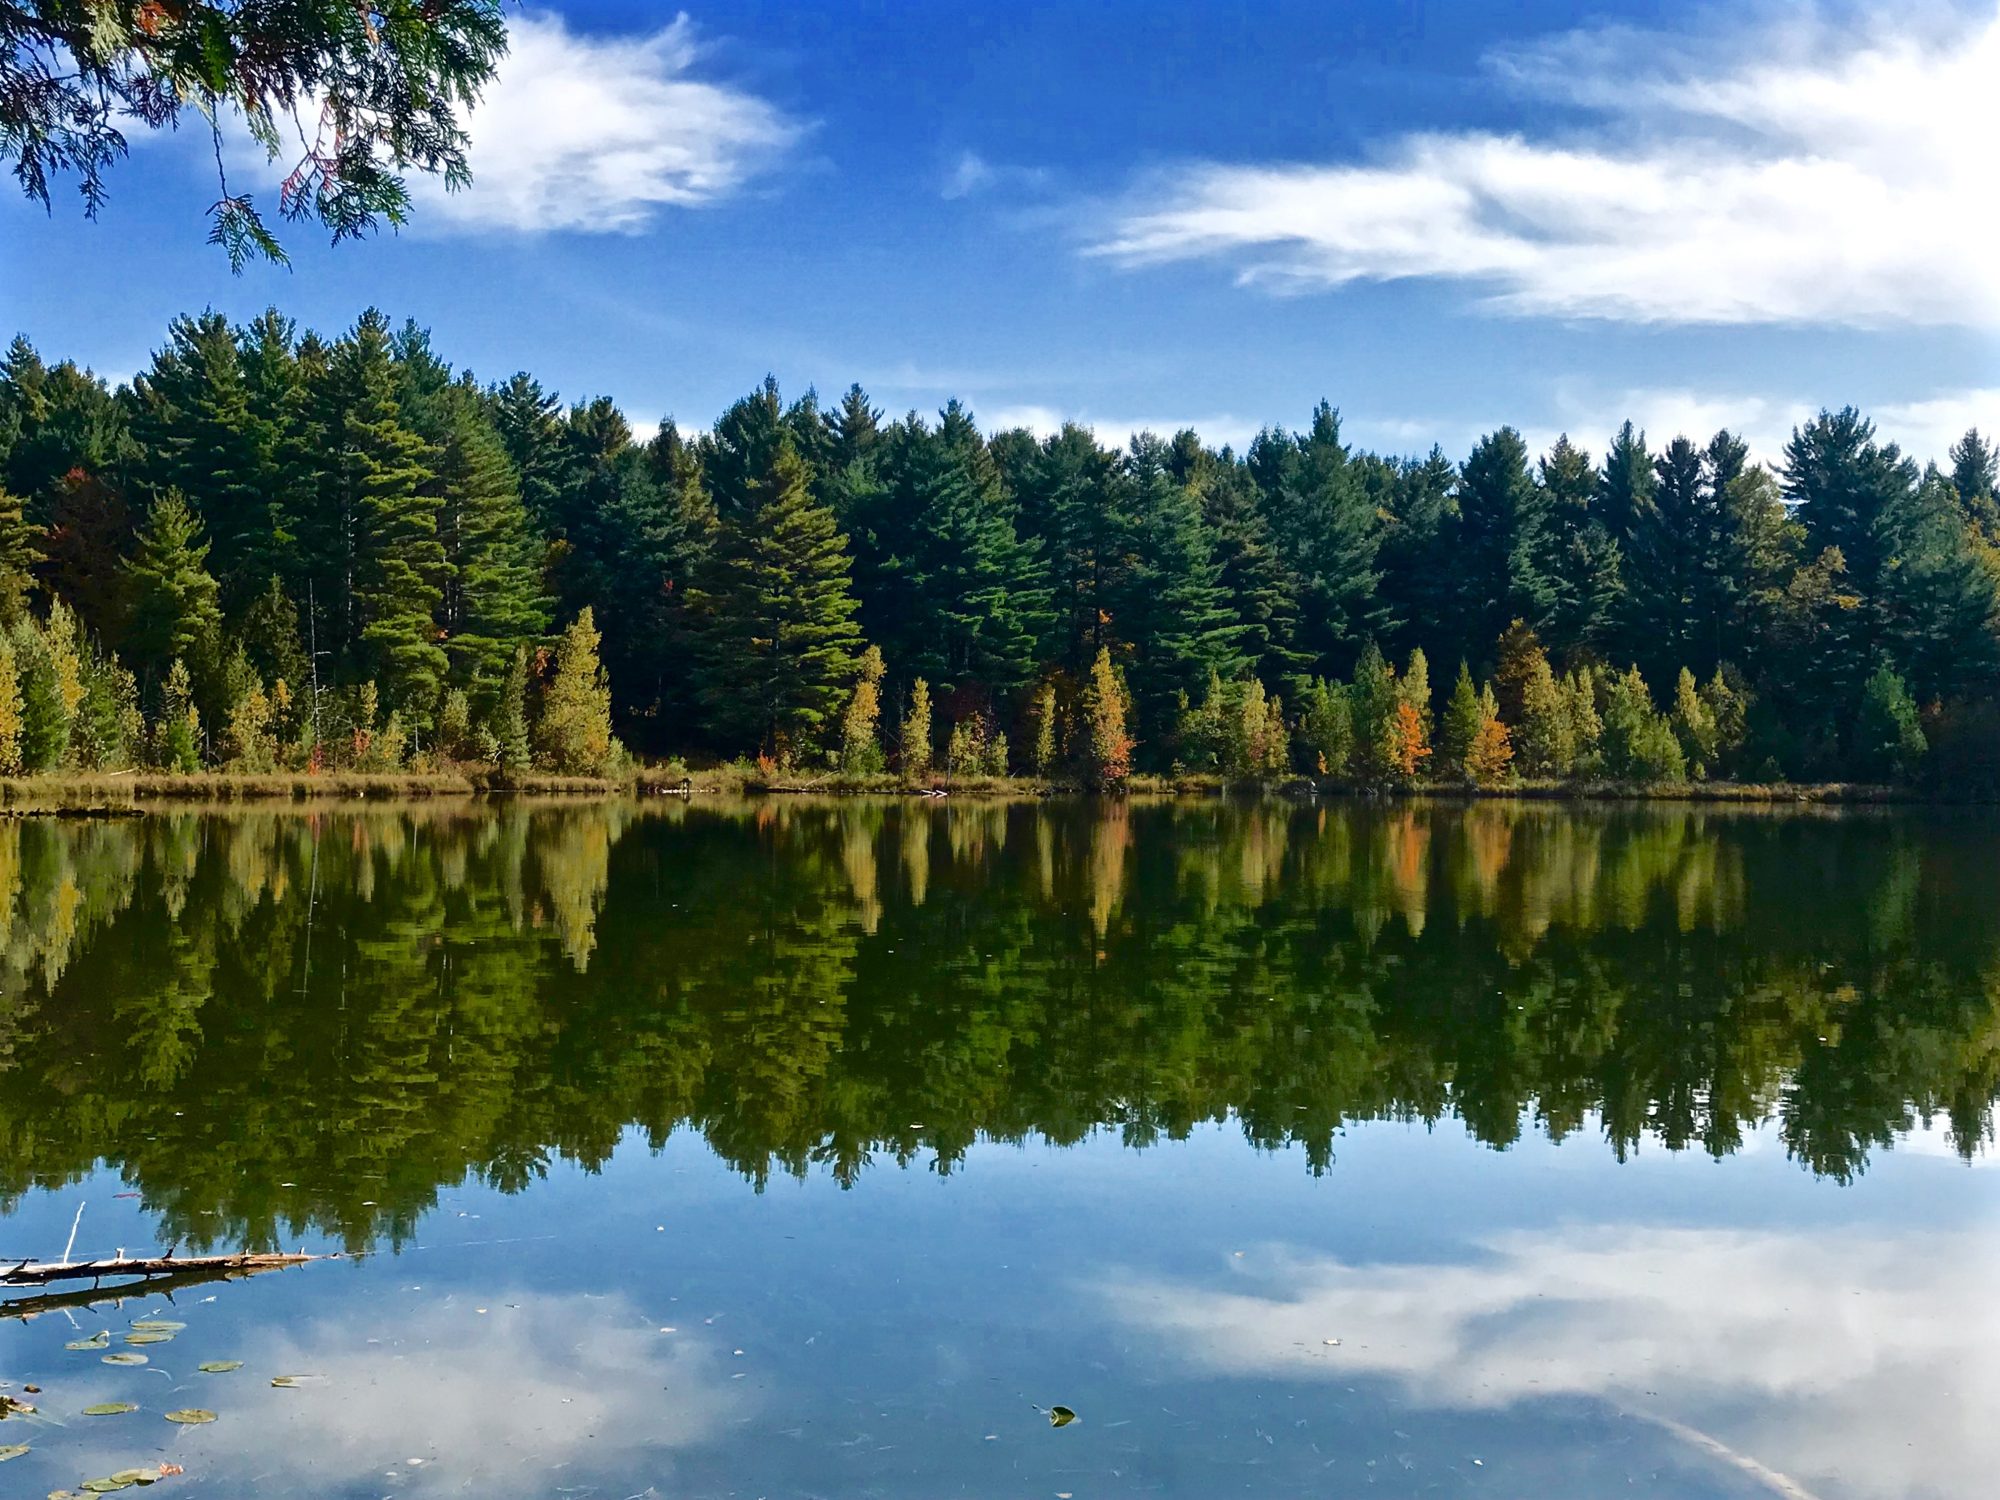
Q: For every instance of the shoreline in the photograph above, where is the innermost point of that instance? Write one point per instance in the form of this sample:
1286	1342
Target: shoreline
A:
134	791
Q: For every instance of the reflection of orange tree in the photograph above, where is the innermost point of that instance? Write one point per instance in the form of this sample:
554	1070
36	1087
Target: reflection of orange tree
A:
273	1021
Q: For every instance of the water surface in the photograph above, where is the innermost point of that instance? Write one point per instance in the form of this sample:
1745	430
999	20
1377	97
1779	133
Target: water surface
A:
818	1149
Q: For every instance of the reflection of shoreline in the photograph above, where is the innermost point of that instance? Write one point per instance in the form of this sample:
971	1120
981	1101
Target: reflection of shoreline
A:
1816	1361
276	1022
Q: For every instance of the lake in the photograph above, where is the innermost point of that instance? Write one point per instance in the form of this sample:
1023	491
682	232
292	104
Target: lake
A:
844	1148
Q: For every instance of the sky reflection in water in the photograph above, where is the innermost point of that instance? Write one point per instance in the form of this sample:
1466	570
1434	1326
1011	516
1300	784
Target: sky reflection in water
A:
939	1116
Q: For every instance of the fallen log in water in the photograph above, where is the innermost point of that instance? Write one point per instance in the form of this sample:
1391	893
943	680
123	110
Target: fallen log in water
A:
41	1273
117	1295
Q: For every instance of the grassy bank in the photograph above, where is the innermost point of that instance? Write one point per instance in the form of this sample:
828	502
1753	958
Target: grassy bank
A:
131	790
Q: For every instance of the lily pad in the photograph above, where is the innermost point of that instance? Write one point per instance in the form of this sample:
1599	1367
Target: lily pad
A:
296	1382
149	1336
138	1476
219	1366
12	1450
101	1340
106	1486
191	1416
110	1408
158	1325
1061	1416
125	1359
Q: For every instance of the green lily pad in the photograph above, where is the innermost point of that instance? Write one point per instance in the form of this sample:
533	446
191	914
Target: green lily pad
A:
148	1336
1061	1416
125	1359
106	1486
158	1325
95	1341
191	1416
110	1408
12	1450
219	1366
138	1476
62	1495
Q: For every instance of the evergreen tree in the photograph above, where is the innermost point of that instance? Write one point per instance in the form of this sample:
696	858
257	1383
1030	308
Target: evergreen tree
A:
509	722
382	484
175	613
10	704
20	553
1174	604
1463	716
492	597
1545	745
1107	744
1503	542
1975	475
777	616
1585	567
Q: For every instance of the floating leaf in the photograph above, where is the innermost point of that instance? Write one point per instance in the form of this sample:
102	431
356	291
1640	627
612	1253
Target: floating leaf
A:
125	1359
158	1325
191	1416
62	1495
12	1450
219	1366
110	1408
106	1486
100	1340
138	1476
149	1337
296	1382
1061	1416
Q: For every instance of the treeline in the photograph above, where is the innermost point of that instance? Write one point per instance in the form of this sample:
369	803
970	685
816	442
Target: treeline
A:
277	548
487	992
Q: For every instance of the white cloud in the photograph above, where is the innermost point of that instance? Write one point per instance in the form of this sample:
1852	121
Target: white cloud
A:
1824	1353
1045	420
491	1402
598	133
1797	176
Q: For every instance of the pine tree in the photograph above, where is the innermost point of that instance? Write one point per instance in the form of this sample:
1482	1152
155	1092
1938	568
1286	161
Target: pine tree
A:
509	722
1463	716
1503	550
1173	602
573	735
777	616
1693	725
1975	476
175	614
1375	700
178	730
383	484
20	554
493	597
1326	728
1586	566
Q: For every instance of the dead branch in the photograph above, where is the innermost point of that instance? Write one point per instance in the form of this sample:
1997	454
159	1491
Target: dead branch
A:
40	1273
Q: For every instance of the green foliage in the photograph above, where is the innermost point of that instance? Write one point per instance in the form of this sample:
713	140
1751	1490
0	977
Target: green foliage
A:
175	611
1638	742
1694	726
573	735
395	76
913	742
778	614
1545	737
10	709
1463	715
177	732
508	726
1888	734
860	724
1326	728
1043	754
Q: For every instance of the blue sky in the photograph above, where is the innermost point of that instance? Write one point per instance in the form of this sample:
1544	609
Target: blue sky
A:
1441	215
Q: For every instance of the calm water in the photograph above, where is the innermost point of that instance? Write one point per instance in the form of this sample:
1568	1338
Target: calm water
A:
800	1149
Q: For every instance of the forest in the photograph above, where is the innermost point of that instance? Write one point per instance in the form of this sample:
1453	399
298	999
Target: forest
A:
279	550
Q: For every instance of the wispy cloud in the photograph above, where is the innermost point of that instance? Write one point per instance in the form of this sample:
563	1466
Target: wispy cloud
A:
973	173
1807	175
599	133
